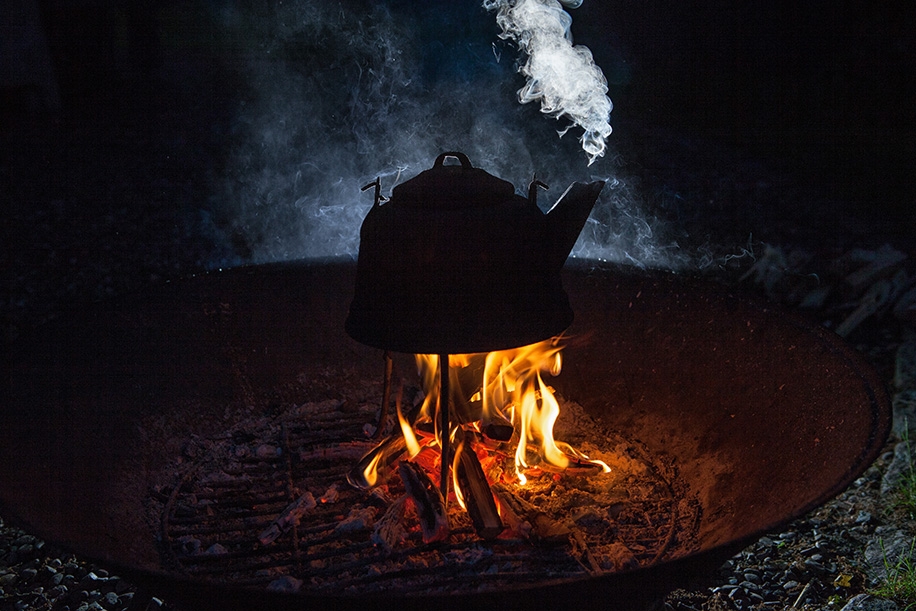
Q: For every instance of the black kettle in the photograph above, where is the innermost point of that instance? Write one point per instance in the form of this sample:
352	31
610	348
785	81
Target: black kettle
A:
457	262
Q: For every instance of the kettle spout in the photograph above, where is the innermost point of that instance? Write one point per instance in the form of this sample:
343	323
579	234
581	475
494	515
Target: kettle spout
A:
566	219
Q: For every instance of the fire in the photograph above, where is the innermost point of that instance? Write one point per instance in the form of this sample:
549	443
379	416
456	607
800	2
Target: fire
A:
500	410
510	390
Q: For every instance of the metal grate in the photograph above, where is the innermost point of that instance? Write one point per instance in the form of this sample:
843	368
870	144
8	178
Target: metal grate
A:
236	486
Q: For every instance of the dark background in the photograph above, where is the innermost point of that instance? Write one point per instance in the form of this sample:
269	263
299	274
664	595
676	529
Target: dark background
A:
783	121
828	88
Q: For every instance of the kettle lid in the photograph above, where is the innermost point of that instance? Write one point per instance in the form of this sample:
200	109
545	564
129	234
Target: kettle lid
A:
453	186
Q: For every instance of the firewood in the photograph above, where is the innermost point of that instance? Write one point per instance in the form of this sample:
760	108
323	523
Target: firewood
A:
518	512
498	430
383	456
478	499
427	499
576	466
287	519
389	530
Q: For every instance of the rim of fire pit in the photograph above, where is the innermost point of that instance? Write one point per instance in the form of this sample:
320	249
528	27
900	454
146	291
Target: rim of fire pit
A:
77	387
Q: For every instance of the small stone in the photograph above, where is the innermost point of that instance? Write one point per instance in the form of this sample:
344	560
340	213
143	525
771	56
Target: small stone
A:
9	580
898	469
89	580
738	594
790	585
887	547
286	583
905	414
905	366
121	586
815	567
752	577
28	574
863	517
867	602
26	551
111	599
723	589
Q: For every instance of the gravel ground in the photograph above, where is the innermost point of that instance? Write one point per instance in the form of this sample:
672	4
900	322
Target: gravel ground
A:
106	200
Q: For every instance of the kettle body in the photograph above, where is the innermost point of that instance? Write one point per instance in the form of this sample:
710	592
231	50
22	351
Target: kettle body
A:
457	262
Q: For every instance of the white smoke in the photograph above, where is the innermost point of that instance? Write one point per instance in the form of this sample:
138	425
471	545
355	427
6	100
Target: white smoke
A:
564	77
332	98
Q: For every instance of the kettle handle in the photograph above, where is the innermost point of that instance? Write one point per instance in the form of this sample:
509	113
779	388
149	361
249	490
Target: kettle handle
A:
465	162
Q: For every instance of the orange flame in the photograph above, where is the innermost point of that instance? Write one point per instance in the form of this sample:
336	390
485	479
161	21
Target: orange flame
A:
511	389
456	484
410	438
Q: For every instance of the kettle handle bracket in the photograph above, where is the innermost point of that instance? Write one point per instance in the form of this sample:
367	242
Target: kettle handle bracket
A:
461	157
377	183
533	189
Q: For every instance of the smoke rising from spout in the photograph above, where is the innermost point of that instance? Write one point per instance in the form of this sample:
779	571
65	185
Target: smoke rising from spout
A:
336	94
563	77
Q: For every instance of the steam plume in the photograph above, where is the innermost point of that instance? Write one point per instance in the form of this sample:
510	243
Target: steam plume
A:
335	96
562	76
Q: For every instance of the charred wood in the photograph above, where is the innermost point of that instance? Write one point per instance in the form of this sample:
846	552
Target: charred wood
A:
527	519
381	458
498	430
476	494
287	519
427	499
389	530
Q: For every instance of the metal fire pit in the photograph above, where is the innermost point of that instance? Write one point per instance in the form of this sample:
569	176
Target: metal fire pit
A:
763	416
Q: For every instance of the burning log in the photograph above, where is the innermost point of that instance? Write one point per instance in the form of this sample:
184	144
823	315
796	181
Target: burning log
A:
375	467
531	522
498	430
287	519
575	466
471	484
427	499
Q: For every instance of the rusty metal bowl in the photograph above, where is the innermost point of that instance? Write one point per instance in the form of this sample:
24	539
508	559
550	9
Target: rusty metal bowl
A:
764	416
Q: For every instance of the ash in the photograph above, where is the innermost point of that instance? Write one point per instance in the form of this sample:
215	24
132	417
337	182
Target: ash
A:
266	504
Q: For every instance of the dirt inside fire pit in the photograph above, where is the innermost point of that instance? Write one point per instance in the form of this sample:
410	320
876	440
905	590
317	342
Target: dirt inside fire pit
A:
266	503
